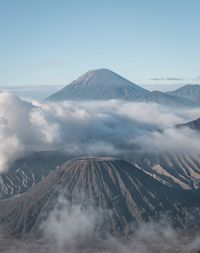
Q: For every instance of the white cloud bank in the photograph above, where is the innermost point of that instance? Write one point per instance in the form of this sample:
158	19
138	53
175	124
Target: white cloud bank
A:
108	127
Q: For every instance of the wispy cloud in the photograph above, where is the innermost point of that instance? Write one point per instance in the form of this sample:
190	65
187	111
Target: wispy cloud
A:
172	78
68	224
156	79
167	79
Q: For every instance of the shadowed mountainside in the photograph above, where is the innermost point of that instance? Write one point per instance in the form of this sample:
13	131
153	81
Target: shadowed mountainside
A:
28	171
195	124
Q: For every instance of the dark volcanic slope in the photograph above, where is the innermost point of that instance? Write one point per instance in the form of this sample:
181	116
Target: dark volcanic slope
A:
195	124
112	184
27	171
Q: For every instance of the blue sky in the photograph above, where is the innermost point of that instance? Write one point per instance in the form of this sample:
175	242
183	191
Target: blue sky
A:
54	41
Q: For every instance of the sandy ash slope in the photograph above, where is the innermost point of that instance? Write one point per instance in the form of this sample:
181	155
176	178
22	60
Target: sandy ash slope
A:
177	170
122	193
173	168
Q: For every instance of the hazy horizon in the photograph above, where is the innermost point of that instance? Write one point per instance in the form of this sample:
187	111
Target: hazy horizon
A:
41	91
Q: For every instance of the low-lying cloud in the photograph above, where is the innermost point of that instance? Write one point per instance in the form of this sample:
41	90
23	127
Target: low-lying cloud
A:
167	79
71	228
89	128
158	237
171	140
68	223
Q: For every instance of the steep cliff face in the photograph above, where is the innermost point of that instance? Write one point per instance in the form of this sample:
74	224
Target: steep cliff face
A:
127	194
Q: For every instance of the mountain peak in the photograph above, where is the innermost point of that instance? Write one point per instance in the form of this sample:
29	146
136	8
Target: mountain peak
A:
96	73
188	87
101	70
113	185
99	84
188	91
96	158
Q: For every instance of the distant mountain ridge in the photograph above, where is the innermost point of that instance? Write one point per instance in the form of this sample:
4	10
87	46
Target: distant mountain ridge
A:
189	91
104	84
166	99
